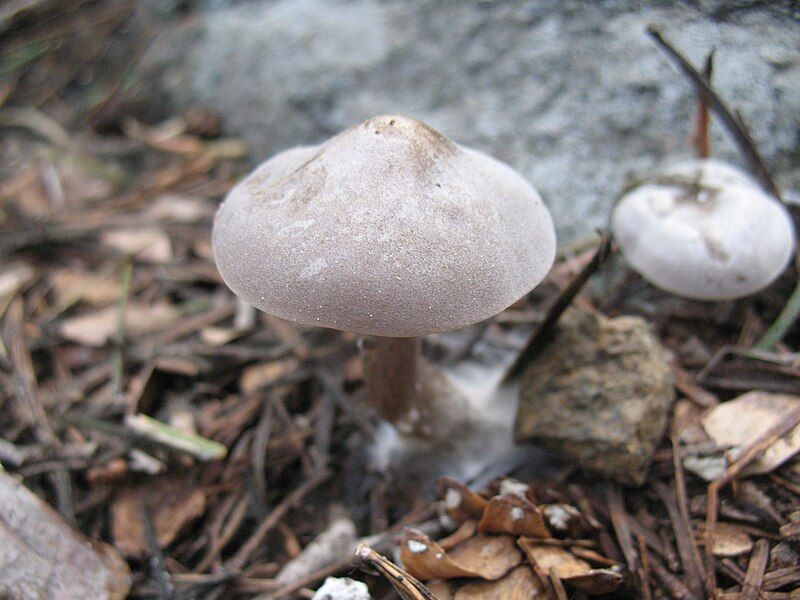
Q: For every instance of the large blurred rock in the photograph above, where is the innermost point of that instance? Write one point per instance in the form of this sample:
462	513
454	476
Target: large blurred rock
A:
599	395
573	94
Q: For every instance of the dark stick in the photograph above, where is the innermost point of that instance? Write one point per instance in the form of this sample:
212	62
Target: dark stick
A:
733	123
544	333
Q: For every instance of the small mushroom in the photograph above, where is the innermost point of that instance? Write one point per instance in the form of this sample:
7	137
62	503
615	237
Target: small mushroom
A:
388	229
704	230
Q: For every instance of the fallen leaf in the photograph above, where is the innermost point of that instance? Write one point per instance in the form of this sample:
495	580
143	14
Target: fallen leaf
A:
519	584
43	557
513	514
464	532
460	503
172	502
95	328
151	244
740	422
261	375
566	520
70	286
178	209
730	540
572	570
441	589
557	558
14	277
484	556
596	582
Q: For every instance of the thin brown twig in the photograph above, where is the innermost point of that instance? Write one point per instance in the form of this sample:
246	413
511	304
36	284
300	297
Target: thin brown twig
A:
238	561
546	329
702	122
733	123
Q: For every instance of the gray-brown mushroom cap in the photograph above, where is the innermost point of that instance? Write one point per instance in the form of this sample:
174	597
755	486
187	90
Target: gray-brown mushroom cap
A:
389	229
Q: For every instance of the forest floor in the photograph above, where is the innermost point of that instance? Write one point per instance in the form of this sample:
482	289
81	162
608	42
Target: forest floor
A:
115	321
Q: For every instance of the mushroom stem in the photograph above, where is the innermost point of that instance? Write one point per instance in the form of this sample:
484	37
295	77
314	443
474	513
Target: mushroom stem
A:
390	372
409	392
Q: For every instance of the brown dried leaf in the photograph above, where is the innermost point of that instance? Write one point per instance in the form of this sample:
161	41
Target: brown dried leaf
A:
460	502
484	556
441	589
70	286
513	514
43	557
94	329
558	561
14	277
172	504
178	209
597	581
262	375
741	421
425	559
558	558
519	584
566	520
151	244
464	532
730	540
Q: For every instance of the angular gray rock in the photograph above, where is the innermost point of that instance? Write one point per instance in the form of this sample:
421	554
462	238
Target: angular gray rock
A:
599	395
572	94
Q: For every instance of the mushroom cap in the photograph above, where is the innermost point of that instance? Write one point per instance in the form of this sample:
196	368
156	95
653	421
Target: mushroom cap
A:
388	228
718	238
707	173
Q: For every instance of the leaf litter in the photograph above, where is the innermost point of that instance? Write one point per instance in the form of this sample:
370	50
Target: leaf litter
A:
102	189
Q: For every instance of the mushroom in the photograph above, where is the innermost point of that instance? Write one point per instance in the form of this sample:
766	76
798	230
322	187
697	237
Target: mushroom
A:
704	230
392	230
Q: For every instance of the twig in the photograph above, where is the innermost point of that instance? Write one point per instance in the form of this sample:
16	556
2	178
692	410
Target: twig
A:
671	584
156	560
122	309
546	329
619	519
700	135
683	539
755	570
278	513
733	123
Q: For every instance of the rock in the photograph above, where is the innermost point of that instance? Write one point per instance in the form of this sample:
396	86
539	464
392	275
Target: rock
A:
342	588
573	95
599	395
41	556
